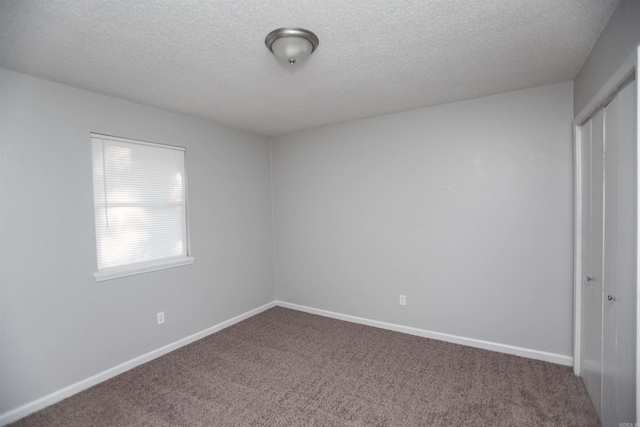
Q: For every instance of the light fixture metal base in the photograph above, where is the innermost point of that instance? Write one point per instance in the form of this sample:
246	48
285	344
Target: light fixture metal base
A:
291	45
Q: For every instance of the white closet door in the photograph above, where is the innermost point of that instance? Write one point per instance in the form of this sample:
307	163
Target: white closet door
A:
619	329
592	134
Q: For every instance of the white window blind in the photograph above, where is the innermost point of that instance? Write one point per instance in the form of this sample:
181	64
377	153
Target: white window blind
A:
140	206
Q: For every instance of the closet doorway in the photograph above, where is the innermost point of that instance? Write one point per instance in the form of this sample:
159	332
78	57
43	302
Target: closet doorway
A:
606	324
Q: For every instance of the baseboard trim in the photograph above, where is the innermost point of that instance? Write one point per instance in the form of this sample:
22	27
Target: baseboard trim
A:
56	396
50	399
471	342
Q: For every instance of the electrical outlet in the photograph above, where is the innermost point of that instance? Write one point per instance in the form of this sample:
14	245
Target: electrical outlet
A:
160	318
403	300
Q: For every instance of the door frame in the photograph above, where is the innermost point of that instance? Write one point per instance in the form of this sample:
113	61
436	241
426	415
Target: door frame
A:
603	96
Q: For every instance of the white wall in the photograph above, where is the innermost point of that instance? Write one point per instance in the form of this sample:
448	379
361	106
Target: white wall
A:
618	40
466	208
58	326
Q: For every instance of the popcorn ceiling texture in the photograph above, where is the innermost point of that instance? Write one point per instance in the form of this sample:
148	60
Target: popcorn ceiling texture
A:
208	58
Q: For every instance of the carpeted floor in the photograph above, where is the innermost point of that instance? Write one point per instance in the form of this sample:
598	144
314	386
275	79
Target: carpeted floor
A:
288	368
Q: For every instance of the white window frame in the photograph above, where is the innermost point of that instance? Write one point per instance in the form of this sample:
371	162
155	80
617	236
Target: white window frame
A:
156	264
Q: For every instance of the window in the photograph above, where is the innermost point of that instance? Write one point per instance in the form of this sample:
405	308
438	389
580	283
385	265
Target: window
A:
139	194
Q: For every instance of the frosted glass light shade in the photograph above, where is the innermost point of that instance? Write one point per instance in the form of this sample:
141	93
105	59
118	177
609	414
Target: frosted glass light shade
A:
291	45
292	50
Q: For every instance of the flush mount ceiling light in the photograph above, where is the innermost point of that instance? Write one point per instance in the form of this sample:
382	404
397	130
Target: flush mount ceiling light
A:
291	45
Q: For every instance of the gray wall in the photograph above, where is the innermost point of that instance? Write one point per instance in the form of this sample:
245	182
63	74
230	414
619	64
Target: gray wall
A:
619	39
466	208
58	326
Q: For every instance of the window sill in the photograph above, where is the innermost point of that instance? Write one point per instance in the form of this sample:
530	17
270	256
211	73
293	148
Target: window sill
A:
116	273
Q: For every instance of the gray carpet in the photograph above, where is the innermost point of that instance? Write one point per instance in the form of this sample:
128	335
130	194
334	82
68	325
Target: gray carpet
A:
287	368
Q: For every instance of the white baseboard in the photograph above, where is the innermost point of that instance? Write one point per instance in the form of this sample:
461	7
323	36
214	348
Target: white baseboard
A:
56	396
471	342
50	399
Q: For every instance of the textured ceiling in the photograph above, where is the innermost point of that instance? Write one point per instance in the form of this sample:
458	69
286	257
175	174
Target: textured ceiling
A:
208	58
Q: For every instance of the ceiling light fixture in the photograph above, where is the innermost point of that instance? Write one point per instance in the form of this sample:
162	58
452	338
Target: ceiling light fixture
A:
291	45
